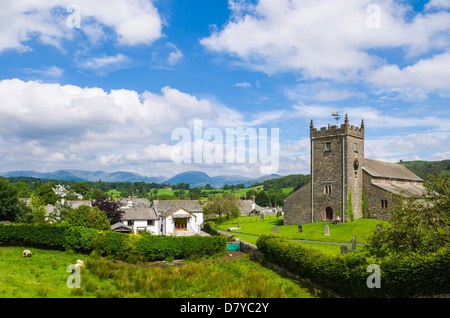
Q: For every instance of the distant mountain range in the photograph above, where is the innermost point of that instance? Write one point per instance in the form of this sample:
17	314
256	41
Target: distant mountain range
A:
193	178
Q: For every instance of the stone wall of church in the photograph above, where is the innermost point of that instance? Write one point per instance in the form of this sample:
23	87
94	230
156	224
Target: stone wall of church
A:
297	206
374	195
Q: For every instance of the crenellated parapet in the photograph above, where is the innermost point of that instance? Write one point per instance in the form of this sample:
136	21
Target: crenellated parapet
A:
335	130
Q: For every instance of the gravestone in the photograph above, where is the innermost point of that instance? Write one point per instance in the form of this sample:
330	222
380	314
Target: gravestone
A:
352	245
262	216
327	230
300	229
379	228
343	249
239	225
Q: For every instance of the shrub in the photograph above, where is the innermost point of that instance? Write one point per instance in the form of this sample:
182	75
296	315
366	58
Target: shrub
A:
401	276
120	245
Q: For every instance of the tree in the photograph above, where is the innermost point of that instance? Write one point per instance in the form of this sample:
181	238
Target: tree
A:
418	224
9	201
226	205
249	193
262	199
98	219
47	194
81	187
88	216
38	207
111	208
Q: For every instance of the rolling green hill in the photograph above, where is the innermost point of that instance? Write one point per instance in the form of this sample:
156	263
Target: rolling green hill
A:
426	168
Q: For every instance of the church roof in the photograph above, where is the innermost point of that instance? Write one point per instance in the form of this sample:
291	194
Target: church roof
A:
389	170
404	189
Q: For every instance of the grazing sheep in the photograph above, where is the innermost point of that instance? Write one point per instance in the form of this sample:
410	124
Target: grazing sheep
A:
27	253
79	263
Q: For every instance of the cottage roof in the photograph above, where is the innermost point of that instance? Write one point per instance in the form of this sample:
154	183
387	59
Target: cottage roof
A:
167	207
119	226
405	189
139	214
389	170
247	206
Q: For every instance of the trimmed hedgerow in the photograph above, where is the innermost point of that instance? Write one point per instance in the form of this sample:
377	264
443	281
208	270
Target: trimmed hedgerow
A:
122	246
401	276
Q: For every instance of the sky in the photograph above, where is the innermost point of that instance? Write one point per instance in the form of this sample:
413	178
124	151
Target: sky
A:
138	85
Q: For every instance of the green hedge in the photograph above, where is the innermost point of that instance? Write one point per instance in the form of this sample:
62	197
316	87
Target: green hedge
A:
406	276
120	245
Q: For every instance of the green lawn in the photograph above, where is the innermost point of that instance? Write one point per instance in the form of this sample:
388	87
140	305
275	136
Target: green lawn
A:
341	233
44	275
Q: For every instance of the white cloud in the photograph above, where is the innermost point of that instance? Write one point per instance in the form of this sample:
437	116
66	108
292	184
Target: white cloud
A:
104	64
49	72
243	85
91	126
432	74
175	55
324	39
132	22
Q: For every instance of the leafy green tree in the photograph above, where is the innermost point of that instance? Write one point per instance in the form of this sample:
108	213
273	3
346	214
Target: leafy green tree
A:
88	216
81	187
249	193
38	207
262	199
98	219
418	224
222	206
78	216
9	201
47	194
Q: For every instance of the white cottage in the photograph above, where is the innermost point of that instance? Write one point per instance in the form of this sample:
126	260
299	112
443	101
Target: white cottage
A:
179	217
165	217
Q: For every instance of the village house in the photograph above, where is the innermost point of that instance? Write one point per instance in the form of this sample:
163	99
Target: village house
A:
162	217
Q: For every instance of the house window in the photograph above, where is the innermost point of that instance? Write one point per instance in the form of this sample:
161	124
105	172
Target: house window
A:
130	223
328	146
327	189
355	147
384	204
150	222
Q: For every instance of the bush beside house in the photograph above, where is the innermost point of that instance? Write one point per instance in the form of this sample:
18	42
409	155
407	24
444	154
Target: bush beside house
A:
120	245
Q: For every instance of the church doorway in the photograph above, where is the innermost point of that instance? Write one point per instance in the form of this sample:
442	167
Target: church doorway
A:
329	213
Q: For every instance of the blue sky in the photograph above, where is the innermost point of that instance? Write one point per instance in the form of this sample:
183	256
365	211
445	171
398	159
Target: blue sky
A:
108	95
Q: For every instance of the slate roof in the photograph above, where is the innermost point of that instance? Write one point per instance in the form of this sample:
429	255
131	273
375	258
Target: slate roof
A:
246	206
405	189
139	214
119	225
167	207
388	170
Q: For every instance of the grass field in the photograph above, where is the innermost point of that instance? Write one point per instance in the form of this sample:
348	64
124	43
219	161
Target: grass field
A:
44	275
341	233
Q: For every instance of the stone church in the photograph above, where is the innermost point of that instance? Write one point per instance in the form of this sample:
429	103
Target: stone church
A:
339	170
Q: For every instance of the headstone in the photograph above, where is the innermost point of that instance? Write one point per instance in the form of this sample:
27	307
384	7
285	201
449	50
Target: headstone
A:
300	229
262	216
327	230
239	225
379	228
343	249
351	245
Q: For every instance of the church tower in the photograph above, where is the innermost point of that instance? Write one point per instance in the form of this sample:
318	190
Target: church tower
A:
337	158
